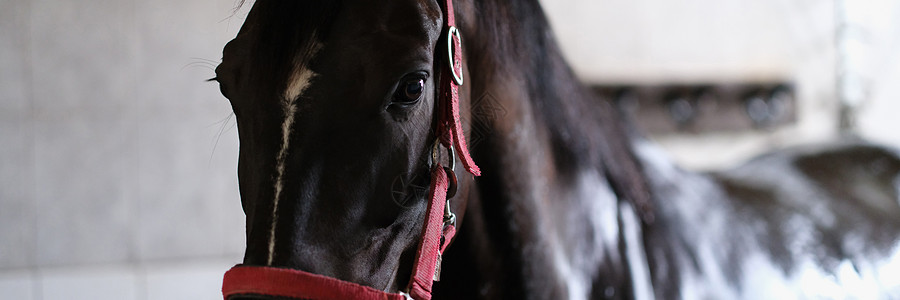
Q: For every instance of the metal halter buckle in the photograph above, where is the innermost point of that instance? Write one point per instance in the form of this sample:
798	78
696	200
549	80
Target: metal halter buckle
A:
449	216
454	32
450	171
435	155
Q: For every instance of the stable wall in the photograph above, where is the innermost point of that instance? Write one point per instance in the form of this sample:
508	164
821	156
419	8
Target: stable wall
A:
117	161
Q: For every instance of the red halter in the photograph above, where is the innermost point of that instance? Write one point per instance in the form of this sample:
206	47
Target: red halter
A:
439	226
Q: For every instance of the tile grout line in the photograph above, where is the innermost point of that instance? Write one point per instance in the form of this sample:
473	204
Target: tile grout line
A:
31	185
134	250
37	284
141	285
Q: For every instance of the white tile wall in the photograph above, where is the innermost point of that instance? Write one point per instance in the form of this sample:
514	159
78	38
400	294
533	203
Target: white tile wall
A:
173	280
20	285
683	40
178	219
14	53
86	181
85	135
116	282
82	53
17	209
196	281
112	146
175	51
16	169
189	126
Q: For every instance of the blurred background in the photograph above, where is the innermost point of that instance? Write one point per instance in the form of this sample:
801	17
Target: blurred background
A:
118	161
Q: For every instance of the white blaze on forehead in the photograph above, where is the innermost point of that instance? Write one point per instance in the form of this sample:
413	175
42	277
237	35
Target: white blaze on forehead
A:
298	81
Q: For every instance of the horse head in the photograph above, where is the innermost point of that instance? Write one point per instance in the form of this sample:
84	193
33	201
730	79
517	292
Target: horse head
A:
337	107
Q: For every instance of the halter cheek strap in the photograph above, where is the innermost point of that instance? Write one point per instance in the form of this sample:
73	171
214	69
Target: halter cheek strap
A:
438	231
449	129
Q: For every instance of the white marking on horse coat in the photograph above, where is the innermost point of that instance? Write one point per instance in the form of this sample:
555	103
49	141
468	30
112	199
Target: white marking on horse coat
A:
889	273
575	282
693	201
635	253
297	83
764	280
602	209
688	197
576	259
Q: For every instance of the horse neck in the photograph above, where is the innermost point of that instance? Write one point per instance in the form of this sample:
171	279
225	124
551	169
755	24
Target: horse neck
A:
548	203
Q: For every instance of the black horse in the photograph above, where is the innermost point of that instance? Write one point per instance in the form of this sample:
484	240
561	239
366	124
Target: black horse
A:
336	105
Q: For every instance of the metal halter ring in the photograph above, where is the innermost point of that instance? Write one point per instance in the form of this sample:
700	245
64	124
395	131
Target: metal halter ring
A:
434	155
454	32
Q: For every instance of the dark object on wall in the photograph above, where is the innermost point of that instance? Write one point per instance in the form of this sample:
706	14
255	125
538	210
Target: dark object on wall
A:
702	108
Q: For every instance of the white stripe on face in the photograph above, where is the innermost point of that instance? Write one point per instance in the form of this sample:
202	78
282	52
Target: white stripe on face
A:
297	83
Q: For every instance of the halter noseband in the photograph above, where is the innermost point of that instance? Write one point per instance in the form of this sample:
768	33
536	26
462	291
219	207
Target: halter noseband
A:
440	222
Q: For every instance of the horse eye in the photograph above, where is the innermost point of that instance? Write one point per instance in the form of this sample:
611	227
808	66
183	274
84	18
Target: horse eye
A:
409	91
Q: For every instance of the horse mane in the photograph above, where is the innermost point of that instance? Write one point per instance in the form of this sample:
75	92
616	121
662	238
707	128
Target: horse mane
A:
584	129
